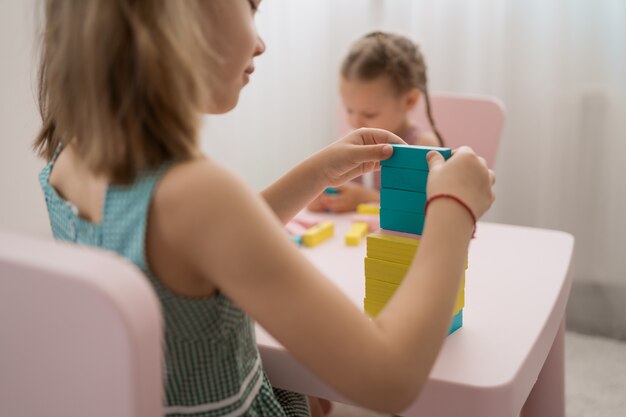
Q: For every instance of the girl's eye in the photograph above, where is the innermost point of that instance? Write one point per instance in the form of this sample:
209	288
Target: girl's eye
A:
370	115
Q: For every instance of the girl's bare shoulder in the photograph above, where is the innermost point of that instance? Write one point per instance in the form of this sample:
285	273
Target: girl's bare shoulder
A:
192	195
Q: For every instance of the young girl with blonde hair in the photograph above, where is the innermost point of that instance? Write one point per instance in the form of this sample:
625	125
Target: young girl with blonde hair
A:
123	86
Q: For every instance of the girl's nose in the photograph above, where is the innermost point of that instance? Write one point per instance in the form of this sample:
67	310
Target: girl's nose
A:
357	122
260	47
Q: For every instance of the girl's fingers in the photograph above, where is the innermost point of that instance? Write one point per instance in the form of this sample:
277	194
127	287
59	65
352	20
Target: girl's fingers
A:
434	159
370	136
369	153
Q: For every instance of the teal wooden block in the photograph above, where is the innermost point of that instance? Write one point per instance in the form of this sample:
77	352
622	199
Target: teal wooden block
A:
457	322
402	221
296	239
404	179
331	191
413	157
402	200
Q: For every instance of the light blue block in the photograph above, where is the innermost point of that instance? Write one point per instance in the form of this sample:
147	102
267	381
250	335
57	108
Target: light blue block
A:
457	322
404	179
402	221
331	190
296	239
402	200
412	157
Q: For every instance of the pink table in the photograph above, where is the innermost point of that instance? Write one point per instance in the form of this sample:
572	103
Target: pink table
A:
507	358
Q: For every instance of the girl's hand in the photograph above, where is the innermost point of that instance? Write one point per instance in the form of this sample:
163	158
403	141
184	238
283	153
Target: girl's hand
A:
348	197
355	154
465	175
317	205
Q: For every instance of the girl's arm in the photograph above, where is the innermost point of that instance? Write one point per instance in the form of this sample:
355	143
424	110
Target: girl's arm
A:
238	245
328	167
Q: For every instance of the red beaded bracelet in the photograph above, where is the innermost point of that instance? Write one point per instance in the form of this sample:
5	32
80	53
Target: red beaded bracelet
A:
458	200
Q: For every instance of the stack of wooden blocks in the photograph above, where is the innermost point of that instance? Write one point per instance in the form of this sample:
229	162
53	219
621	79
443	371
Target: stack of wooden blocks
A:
390	251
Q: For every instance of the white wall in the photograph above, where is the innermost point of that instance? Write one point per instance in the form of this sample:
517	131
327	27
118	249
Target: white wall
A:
22	207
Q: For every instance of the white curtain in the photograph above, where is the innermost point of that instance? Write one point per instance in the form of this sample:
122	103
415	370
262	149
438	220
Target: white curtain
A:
558	65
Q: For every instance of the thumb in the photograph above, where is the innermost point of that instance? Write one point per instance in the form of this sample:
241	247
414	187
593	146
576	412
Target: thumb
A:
374	152
435	159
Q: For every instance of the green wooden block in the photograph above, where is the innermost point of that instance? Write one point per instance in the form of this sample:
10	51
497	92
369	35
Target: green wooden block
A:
402	221
402	200
404	179
413	157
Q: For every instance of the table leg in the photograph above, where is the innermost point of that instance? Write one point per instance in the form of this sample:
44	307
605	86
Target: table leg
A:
547	397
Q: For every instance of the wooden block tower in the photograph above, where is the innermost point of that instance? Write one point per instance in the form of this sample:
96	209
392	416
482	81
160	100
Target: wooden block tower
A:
391	250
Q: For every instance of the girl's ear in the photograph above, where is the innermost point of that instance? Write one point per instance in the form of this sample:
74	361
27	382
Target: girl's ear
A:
411	98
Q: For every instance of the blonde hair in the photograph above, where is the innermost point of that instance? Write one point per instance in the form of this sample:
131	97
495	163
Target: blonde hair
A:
394	56
124	81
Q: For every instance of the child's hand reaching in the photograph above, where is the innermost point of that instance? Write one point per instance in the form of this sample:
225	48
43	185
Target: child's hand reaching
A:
347	198
355	154
465	175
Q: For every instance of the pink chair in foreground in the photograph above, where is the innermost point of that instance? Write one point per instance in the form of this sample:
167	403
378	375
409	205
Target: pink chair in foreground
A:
80	333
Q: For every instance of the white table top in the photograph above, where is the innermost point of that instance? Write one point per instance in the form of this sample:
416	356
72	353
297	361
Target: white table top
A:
517	286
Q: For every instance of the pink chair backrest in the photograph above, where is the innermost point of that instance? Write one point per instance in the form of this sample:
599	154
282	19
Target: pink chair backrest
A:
475	121
472	120
81	333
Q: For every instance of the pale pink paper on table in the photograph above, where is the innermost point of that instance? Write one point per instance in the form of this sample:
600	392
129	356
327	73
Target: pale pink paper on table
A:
294	228
372	220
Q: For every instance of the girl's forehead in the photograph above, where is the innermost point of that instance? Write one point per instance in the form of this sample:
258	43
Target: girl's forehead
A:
376	88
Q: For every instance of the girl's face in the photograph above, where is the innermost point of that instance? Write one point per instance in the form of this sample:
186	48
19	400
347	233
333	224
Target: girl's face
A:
375	103
235	41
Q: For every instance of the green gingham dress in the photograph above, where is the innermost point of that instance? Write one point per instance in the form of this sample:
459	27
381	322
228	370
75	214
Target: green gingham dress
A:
212	364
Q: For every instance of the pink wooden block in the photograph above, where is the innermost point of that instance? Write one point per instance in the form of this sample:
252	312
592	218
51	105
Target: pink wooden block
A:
295	229
307	220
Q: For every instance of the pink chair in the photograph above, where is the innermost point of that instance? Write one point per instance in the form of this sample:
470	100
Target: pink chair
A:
472	120
81	333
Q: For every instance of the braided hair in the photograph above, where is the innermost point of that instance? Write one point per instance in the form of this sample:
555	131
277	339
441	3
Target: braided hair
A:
395	56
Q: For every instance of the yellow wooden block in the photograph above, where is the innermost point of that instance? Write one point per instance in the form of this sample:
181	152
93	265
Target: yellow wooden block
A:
394	240
367	208
374	305
384	270
391	248
372	308
319	233
379	290
356	233
460	297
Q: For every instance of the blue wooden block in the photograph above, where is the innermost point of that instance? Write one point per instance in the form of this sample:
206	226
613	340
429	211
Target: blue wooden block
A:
457	322
402	221
404	179
331	190
412	157
402	200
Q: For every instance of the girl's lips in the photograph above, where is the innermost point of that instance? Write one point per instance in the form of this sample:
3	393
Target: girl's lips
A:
249	70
